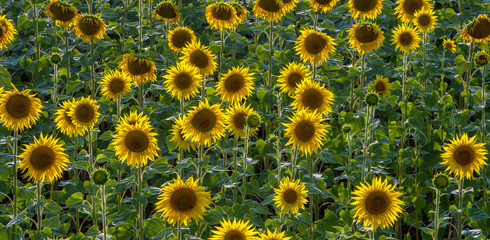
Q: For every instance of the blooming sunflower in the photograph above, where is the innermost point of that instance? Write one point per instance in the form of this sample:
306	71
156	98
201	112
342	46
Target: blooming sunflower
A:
178	137
44	159
273	235
139	68
89	27
236	120
425	20
183	81
19	110
133	118
236	85
204	123
115	84
305	131
381	85
313	96
406	38
62	13
199	56
291	76
463	156
221	15
241	12
323	5
179	37
233	230
313	46
167	11
84	112
377	204
271	10
135	144
7	32
182	202
449	45
477	30
406	9
365	8
291	196
64	122
365	37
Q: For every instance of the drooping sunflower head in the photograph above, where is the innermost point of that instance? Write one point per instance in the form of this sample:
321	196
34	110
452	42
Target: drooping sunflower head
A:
290	196
233	230
463	156
84	112
449	45
183	81
313	96
133	118
405	9
204	123
377	204
477	30
313	46
139	68
236	85
90	27
167	11
323	5
221	15
425	19
306	131
7	32
19	110
241	12
273	235
406	38
64	122
199	56
272	10
135	144
365	37
62	13
183	202
441	181
381	85
178	137
291	76
236	120
44	159
115	84
365	8
179	37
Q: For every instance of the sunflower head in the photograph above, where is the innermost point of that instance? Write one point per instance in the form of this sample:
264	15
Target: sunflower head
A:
272	10
241	12
64	121
84	112
365	8
481	58
346	128
7	32
236	120
62	13
253	120
372	99
139	68
365	37
291	76
233	230
204	123
477	30
306	131
19	110
425	20
167	11
441	181
179	37
236	85
313	46
381	85
55	57
323	5
290	196
115	84
377	204
273	235
90	27
313	96
178	137
449	45
135	144
406	38
221	15
463	156
405	9
183	202
100	176
183	81
44	159
199	56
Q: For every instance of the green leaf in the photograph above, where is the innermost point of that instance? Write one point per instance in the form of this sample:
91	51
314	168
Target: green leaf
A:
75	200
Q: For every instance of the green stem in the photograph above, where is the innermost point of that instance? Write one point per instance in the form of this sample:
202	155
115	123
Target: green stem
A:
68	58
123	36
294	158
203	93
140	24
245	153
435	236
141	215
468	76
75	158
459	217
104	212
92	70
312	206
221	50
55	89
363	75
150	19
200	157
366	143
483	138
271	51
442	74
90	152
141	96
90	3
14	176
235	167
39	210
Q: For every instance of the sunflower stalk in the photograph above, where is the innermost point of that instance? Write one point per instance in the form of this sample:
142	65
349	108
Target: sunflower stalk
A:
459	216
442	74
141	213
483	138
271	54
294	158
312	206
221	50
75	158
245	153
67	51
39	210
140	26
424	51
104	213
363	73
468	76
203	93
55	89
150	19
435	235
92	70
141	96
14	175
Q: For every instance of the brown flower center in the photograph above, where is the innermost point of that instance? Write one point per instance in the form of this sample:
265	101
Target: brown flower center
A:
239	120
183	81
234	82
323	2
18	106
181	38
89	26
286	1
290	196
314	43
116	85
305	130
424	20
204	120
166	11
234	235
464	155
365	5
405	39
411	6
377	202
84	112
183	200
312	99
366	34
136	141
294	79
269	5
199	59
42	158
61	12
221	12
480	29
379	87
137	67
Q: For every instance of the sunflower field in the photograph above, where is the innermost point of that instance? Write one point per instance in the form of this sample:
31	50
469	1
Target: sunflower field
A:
244	119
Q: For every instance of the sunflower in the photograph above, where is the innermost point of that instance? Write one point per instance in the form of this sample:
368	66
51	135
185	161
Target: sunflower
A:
291	196
222	16
7	32
377	204
179	37
233	230
313	96
19	110
241	12
305	131
89	27
44	159
135	144
291	76
183	202
237	84
62	13
425	20
406	9
139	68
313	46
273	236
365	8
236	120
365	37
269	9
178	137
406	38
167	11
199	56
481	58
64	122
204	123
449	45
133	118
323	5
477	30
84	112
115	84
183	81
463	156
381	85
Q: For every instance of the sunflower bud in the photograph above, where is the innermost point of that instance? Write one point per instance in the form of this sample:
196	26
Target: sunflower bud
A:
272	138
253	120
481	58
371	98
441	181
55	57
346	128
100	176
